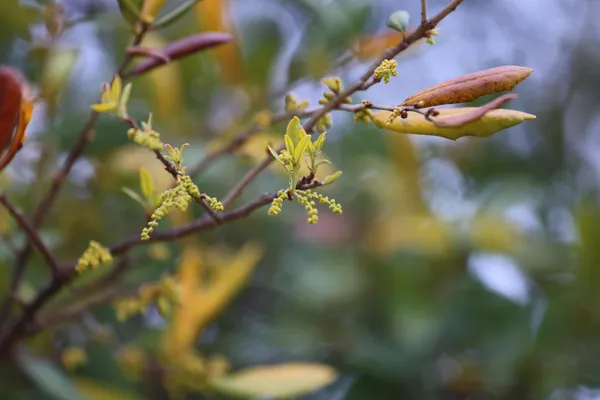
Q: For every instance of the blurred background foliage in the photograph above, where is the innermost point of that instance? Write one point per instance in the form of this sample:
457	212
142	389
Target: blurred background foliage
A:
459	270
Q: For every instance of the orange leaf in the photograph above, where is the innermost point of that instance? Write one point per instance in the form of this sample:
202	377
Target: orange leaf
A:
214	15
372	46
469	87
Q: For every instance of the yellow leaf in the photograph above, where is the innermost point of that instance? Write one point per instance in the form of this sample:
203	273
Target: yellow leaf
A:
332	178
150	9
105	96
469	87
104	107
492	122
25	113
96	390
276	381
295	131
319	142
225	283
301	148
146	183
373	46
289	145
115	89
214	15
165	84
201	300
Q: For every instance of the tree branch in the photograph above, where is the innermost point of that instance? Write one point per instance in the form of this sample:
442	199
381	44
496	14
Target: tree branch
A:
31	234
336	102
423	12
45	204
14	333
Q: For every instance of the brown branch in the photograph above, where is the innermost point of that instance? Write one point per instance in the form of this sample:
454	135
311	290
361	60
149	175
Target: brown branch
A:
337	101
202	201
13	334
45	204
31	234
423	12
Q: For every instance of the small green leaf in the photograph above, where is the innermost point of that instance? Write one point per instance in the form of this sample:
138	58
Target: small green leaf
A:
134	196
125	99
322	162
300	148
295	131
319	142
398	21
310	147
276	381
332	178
275	155
174	15
289	145
146	183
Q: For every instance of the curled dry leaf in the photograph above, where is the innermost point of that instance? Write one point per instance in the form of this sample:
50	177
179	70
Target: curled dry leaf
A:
16	108
181	48
469	87
490	123
473	115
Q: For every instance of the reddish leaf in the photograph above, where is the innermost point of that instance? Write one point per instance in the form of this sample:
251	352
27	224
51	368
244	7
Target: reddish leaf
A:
469	87
10	102
181	48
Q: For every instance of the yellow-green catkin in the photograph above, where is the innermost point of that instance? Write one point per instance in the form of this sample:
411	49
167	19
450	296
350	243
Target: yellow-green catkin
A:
393	115
335	86
94	256
324	123
277	203
364	114
180	197
292	104
386	70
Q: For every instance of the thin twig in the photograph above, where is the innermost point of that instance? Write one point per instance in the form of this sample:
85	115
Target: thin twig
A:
31	234
249	177
423	12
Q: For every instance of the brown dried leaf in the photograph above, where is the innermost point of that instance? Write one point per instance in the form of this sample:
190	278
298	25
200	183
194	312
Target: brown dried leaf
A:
456	121
469	87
